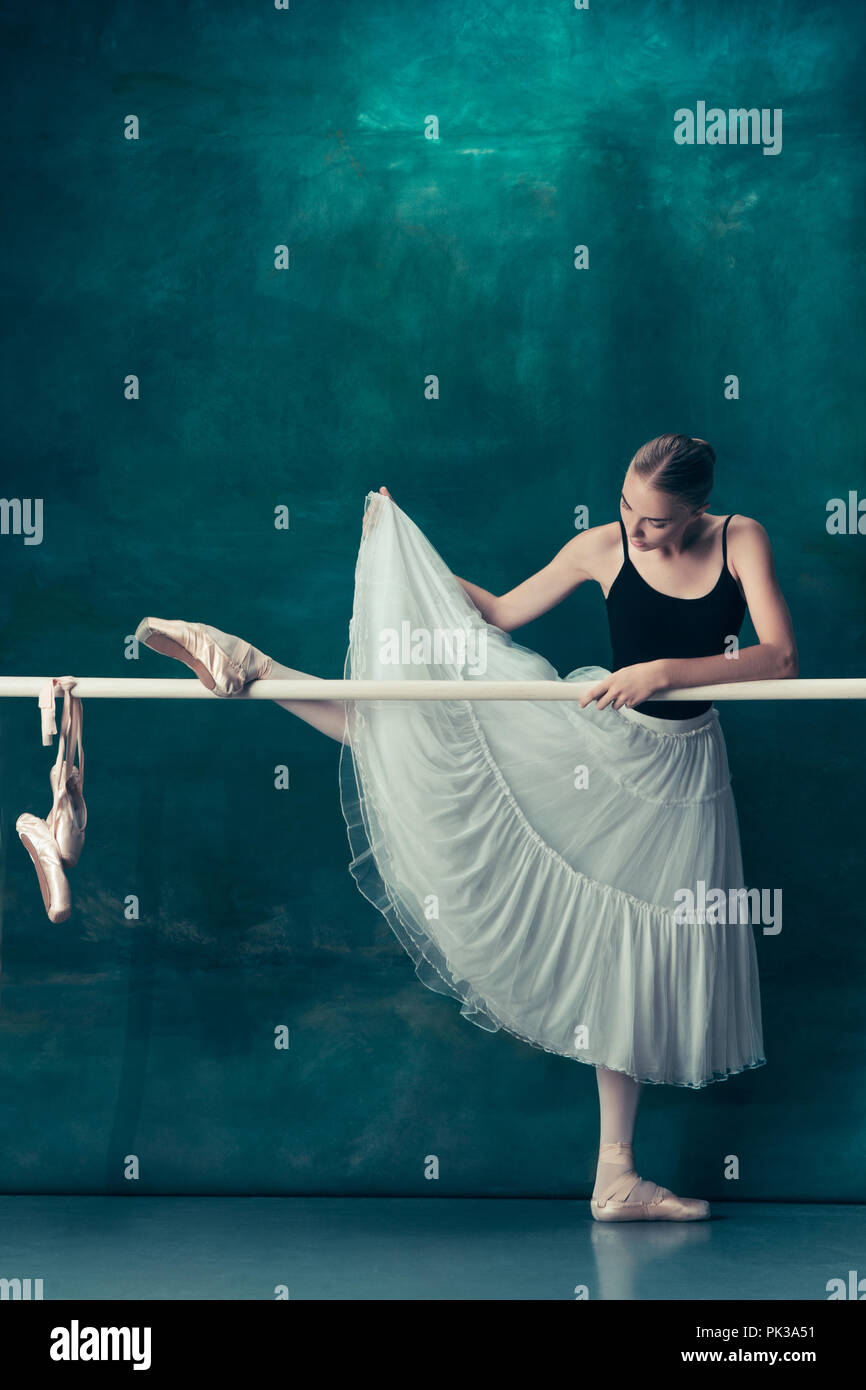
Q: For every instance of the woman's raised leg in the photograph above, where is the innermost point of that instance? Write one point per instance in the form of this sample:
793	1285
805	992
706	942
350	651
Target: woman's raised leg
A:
328	716
227	664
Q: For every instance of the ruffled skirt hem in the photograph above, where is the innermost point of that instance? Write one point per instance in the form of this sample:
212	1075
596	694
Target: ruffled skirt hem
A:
527	855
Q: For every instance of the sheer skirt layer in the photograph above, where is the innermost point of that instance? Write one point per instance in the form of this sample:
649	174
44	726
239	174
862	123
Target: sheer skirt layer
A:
528	855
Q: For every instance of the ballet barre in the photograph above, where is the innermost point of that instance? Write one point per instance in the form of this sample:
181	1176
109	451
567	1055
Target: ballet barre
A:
134	688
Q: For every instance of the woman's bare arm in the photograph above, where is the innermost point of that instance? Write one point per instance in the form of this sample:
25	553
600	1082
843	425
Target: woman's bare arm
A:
541	591
775	656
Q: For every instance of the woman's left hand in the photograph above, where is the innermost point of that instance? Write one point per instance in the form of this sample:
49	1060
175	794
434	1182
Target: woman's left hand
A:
630	686
366	517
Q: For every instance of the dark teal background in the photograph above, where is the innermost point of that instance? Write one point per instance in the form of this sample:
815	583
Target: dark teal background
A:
305	387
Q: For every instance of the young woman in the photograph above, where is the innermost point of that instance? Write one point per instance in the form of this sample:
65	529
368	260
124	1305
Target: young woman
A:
532	856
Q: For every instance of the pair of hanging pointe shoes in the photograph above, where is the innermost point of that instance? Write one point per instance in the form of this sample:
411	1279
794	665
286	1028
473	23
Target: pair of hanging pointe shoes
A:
55	843
660	1204
224	664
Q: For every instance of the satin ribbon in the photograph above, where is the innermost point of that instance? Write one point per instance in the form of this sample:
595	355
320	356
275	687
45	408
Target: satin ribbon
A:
46	705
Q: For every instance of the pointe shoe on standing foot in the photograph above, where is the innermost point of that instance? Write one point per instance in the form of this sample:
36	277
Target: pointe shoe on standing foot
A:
611	1202
224	664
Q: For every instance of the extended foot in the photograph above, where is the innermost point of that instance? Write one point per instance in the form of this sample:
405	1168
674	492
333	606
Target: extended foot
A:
621	1194
223	663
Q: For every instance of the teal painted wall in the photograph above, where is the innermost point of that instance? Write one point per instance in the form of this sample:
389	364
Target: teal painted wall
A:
305	387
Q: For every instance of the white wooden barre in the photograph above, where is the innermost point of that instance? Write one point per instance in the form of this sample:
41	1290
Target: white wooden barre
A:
134	688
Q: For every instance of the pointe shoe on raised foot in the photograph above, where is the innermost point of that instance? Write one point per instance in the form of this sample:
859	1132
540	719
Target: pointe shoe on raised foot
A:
663	1205
37	838
224	664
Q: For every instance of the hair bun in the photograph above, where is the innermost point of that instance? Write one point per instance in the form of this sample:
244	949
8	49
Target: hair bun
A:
678	465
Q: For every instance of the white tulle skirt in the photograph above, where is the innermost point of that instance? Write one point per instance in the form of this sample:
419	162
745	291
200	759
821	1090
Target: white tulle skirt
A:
530	856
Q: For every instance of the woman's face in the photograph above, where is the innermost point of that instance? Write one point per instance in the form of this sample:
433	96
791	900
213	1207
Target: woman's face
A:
652	518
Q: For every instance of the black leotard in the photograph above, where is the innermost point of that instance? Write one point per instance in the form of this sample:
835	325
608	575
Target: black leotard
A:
646	624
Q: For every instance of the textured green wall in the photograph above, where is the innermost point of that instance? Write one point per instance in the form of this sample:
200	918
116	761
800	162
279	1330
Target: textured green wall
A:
304	387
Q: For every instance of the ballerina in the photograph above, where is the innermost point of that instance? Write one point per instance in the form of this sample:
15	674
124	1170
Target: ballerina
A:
528	855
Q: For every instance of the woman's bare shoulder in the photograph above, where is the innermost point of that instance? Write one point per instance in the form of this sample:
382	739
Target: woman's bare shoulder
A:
593	548
746	531
601	540
747	540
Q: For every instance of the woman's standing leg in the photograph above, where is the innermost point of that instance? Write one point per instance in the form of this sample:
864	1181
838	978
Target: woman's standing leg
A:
618	1097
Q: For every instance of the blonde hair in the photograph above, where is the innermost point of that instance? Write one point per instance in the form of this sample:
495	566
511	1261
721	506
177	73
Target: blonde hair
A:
679	465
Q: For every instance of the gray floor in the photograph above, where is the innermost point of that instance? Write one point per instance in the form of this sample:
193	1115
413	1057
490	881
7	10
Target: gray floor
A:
406	1248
